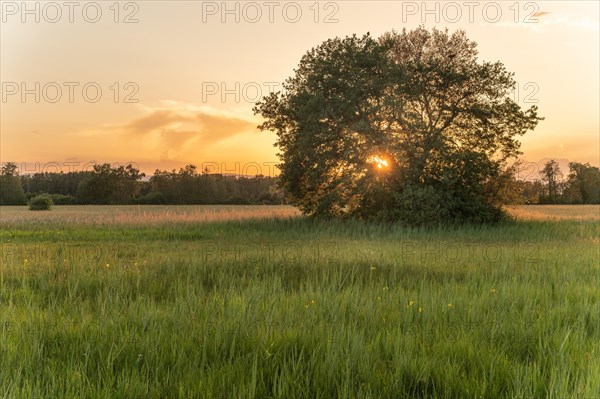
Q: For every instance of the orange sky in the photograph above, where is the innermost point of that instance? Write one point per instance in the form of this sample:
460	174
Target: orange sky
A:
175	61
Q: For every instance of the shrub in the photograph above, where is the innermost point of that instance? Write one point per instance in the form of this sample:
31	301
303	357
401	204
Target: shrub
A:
41	202
424	206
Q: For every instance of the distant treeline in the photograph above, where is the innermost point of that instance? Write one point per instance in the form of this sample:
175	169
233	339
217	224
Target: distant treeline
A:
580	186
106	184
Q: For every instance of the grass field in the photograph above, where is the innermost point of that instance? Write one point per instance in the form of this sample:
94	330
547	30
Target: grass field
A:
255	302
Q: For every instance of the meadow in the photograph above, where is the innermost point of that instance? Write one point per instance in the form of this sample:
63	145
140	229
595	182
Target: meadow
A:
258	302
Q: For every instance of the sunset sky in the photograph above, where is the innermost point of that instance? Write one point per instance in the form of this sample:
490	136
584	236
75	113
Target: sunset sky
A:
176	59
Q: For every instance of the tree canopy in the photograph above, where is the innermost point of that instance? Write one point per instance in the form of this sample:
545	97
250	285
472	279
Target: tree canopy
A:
108	184
410	126
11	190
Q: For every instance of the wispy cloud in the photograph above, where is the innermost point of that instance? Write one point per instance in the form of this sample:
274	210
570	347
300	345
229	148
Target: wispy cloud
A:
174	127
540	14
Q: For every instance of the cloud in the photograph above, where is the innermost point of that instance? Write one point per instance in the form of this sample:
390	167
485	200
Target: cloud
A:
151	121
540	14
174	128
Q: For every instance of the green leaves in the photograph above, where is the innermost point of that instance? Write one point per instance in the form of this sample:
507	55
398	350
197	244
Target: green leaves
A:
110	185
419	98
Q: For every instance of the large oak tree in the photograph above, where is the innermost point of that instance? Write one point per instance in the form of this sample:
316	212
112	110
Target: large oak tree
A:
410	127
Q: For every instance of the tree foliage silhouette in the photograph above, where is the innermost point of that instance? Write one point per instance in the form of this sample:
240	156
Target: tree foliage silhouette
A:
409	127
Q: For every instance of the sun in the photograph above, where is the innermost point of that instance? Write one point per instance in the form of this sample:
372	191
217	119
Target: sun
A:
378	161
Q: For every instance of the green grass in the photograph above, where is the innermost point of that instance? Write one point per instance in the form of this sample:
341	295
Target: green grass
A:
290	308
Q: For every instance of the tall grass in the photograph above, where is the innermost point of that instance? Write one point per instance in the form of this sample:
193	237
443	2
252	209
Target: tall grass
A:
291	308
150	215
